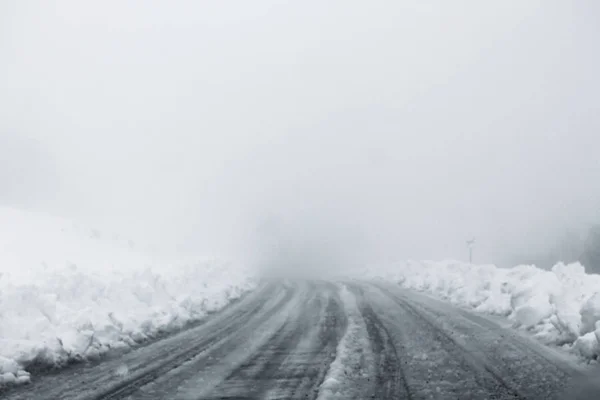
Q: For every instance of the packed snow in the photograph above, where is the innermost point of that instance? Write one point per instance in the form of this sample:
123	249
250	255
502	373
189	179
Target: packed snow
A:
560	306
349	374
71	293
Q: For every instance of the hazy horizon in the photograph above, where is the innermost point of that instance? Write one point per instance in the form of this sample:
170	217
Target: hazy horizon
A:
361	130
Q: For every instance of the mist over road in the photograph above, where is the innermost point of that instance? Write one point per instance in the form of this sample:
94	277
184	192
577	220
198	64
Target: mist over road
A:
320	339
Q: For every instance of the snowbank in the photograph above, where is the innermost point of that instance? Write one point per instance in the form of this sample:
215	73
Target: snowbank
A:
71	293
560	306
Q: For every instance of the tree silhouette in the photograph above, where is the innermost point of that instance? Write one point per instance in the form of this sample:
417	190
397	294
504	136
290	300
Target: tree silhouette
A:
590	256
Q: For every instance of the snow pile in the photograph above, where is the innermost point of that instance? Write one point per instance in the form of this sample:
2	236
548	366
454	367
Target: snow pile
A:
69	293
560	306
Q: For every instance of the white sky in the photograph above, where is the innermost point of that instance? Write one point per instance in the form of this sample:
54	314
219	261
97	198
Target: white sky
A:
409	126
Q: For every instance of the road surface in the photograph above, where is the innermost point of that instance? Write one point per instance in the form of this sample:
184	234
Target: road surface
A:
321	340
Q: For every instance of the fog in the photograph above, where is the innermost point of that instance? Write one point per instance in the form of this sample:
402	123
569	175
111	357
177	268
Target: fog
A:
351	130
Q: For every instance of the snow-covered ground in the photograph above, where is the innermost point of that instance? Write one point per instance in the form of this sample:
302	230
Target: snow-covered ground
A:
560	306
69	293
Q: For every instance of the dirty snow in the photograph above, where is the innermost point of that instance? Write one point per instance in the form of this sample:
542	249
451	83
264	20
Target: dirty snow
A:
68	292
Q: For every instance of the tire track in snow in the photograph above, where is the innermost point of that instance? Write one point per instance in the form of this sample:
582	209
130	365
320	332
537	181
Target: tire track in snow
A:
304	370
133	383
390	379
533	369
253	378
349	375
199	377
488	377
293	362
522	343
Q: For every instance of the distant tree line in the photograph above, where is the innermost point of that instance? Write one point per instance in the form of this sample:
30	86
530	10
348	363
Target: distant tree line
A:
590	256
569	247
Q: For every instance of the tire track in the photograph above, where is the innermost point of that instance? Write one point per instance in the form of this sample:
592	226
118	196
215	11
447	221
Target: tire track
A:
294	362
537	374
517	341
486	376
254	377
391	383
129	386
309	367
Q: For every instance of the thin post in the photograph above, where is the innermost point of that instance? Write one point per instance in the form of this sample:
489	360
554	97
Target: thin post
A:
470	244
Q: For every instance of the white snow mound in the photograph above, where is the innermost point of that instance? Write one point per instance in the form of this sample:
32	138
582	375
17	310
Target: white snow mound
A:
71	293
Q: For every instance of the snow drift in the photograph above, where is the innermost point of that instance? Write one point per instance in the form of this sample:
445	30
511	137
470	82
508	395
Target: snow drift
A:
72	293
560	306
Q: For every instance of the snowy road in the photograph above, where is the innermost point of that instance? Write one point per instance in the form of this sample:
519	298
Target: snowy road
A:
324	340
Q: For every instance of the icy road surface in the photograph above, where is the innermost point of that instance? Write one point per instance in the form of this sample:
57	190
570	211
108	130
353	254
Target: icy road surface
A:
321	340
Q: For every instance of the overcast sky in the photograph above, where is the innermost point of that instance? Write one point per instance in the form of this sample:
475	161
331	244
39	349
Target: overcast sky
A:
401	127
